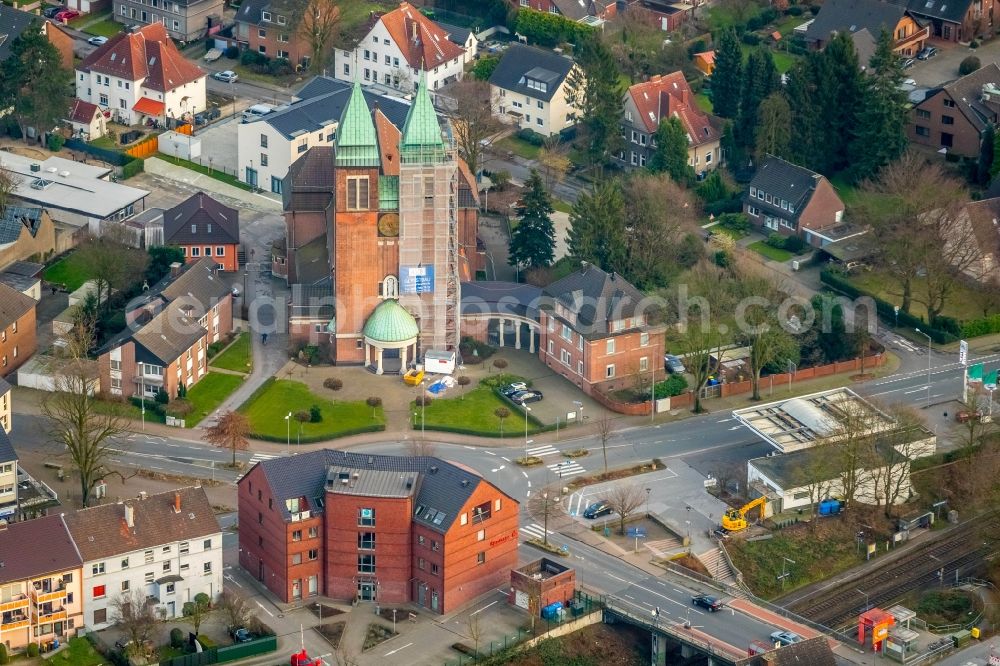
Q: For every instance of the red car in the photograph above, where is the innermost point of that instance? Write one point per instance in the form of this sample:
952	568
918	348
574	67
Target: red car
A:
67	14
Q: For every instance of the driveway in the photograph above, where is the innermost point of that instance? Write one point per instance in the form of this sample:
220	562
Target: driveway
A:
944	66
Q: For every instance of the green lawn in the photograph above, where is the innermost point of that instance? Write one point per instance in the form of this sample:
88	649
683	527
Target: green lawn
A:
472	410
562	206
267	408
104	142
788	23
237	357
703	102
208	394
735	234
211	173
519	147
963	303
783	61
70	271
107	28
79	653
354	15
772	253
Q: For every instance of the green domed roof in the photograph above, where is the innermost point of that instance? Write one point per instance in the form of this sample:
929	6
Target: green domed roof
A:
390	322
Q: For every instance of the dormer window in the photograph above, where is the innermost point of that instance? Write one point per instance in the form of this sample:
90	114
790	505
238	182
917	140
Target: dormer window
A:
281	20
265	16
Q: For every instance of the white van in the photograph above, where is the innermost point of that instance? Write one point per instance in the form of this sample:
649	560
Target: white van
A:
256	112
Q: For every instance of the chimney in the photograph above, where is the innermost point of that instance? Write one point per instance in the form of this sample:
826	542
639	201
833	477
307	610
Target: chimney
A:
416	32
130	515
175	269
177	502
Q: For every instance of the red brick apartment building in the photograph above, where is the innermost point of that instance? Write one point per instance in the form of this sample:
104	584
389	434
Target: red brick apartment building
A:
595	332
390	529
17	329
165	344
203	227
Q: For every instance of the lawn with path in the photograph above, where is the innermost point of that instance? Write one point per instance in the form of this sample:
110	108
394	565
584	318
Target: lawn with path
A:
70	271
269	405
208	394
473	411
237	357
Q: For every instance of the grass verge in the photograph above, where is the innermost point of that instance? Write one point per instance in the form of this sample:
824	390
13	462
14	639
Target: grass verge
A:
208	394
211	173
269	405
105	28
519	147
237	357
79	652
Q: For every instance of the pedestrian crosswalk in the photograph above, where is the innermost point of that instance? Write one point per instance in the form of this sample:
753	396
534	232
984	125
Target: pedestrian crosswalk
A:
534	531
566	468
541	451
260	457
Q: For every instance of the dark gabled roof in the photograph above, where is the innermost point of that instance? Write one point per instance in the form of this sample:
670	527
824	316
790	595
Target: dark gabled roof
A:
594	297
316	112
15	219
456	34
251	11
312	262
443	487
12	23
214	222
7	452
544	65
853	15
101	531
784	180
967	92
320	85
19	561
26	268
198	282
168	335
308	186
952	11
13	305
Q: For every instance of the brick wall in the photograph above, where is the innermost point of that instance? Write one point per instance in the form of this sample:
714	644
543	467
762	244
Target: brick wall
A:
358	263
965	137
19	344
557	587
821	211
263	534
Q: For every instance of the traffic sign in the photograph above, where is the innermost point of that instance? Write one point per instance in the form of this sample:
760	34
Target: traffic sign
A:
637	532
963	352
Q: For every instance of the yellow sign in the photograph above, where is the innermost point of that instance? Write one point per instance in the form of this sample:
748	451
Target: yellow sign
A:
879	632
871	549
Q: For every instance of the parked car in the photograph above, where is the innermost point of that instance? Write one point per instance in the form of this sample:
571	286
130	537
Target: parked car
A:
226	76
50	12
927	53
908	63
597	509
673	364
99	40
524	397
783	638
241	635
515	387
708	602
235	291
66	15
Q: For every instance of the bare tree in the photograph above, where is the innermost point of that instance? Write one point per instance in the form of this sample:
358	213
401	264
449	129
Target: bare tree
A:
230	431
817	473
463	381
761	331
604	432
7	186
112	261
134	616
624	499
197	610
87	432
553	161
235	608
475	630
473	119
420	447
316	21
502	413
703	326
658	213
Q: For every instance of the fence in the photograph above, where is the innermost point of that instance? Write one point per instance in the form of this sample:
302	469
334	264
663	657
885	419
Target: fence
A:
222	655
145	148
105	154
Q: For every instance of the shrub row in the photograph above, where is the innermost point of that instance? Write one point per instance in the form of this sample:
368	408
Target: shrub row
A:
312	439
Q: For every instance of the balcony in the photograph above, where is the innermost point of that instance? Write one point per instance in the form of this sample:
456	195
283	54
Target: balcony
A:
912	39
15	622
46	596
54	616
20	601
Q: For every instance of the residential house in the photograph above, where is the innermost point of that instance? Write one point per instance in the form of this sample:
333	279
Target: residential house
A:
184	20
909	31
168	546
956	116
74	194
25	231
17	329
164	345
88	121
595	333
574	10
41	596
399	46
203	227
269	28
14	21
140	75
979	226
662	97
956	20
464	37
375	528
705	62
794	201
24	277
267	147
666	15
531	88
8	461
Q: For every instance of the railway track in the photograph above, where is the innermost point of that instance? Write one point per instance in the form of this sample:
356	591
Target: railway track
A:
958	551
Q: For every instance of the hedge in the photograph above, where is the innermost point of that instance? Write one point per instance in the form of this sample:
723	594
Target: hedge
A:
885	309
984	326
360	430
133	168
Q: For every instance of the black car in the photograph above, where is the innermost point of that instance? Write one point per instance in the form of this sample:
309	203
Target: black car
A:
927	53
524	397
709	603
50	12
597	509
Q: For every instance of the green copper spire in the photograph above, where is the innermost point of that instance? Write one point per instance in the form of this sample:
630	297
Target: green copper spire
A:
357	140
421	130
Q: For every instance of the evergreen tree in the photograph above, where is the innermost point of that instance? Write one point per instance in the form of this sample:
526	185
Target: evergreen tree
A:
33	83
671	153
532	244
843	85
727	76
804	126
995	167
596	88
760	79
597	228
774	128
984	166
880	136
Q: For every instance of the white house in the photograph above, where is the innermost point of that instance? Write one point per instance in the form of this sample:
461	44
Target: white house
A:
531	88
141	75
464	37
400	45
168	546
267	147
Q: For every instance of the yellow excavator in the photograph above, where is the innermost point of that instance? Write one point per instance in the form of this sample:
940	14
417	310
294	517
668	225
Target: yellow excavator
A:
735	520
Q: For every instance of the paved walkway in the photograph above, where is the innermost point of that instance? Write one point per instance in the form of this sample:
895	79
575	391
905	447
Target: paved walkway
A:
165	169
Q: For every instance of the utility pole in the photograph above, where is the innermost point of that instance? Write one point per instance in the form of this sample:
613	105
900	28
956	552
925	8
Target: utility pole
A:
784	573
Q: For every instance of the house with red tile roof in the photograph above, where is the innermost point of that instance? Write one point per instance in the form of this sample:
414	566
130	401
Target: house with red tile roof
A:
141	75
87	120
659	98
399	46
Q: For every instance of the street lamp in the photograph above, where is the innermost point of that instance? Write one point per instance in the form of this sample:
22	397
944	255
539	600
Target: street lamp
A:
793	368
928	364
647	501
526	411
865	595
288	433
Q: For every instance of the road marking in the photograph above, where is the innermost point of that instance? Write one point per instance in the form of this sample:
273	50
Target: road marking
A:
535	531
567	468
525	473
529	483
611	575
547	450
483	608
490	453
471	448
505	458
264	609
259	457
736	427
629	596
232	580
916	390
497	469
402	647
